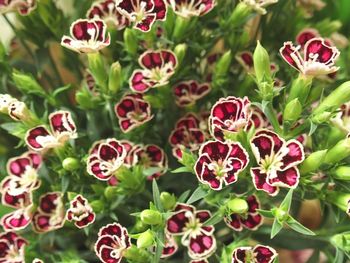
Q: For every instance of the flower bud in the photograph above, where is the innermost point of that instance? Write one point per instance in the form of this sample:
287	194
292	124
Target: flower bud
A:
70	164
110	192
300	89
313	162
136	255
151	217
168	200
180	52
27	84
342	173
130	41
239	14
146	239
339	152
97	206
223	65
237	206
339	199
292	110
181	26
321	117
97	69
280	214
262	65
18	111
115	78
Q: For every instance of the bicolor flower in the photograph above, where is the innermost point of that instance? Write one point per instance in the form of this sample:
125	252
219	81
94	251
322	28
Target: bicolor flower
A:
250	220
143	13
190	8
15	201
17	220
107	11
187	222
219	164
319	57
12	247
157	68
257	254
113	241
277	162
188	92
80	212
16	109
259	5
87	36
186	135
23	7
228	116
257	119
50	214
132	111
106	157
62	128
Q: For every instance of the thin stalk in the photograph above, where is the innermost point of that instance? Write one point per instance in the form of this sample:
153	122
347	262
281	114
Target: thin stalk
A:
54	67
112	116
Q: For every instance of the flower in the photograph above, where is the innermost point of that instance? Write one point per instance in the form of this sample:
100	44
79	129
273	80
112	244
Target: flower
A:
220	163
259	5
16	109
87	36
16	201
188	92
186	135
80	212
62	129
200	261
277	161
257	119
189	8
250	219
107	11
319	57
12	247
157	68
23	7
189	223
50	214
305	35
143	13
113	241
258	254
132	111
18	219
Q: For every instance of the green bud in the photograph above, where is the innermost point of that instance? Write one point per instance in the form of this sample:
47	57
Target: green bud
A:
292	111
339	152
342	173
321	117
27	84
130	41
280	215
151	217
97	69
70	164
262	65
137	255
237	206
341	241
239	15
313	162
327	27
168	200
180	29
223	65
97	206
300	89
146	239
115	78
85	100
339	199
180	52
111	192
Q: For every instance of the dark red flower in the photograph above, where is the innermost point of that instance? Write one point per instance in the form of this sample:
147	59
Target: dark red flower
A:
189	8
80	212
17	220
12	248
23	7
132	111
113	241
257	119
277	162
188	92
219	163
305	35
157	68
258	254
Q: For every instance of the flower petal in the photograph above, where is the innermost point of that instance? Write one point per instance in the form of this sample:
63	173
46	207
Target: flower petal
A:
201	246
259	180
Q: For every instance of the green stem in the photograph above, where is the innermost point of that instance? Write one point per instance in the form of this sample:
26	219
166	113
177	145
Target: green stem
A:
112	116
271	115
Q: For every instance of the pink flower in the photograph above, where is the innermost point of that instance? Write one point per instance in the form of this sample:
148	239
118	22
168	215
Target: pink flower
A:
229	116
80	212
12	248
258	254
18	219
107	11
277	162
187	222
257	119
219	163
23	7
189	8
132	111
113	241
62	128
16	201
50	214
157	68
143	13
305	35
87	36
186	135
319	57
250	220
188	92
106	157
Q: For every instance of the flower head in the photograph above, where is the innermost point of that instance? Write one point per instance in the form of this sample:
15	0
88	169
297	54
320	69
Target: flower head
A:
18	219
23	7
188	92
12	247
189	8
87	36
80	212
277	162
257	254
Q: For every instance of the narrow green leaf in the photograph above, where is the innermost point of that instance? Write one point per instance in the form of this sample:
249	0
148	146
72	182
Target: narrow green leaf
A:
265	213
285	205
216	218
181	170
156	196
184	196
296	226
198	194
276	228
159	246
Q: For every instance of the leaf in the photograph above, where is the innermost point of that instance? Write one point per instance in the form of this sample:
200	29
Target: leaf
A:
60	90
198	194
266	213
159	246
156	196
315	257
276	228
216	218
296	226
313	128
184	196
64	183
182	169
285	205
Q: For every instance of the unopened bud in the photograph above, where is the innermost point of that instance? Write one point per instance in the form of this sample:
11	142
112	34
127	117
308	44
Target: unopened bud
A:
180	52
292	110
168	200
313	162
280	215
223	64
339	152
97	69
180	28
70	164
300	89
239	14
262	65
115	77
130	41
342	173
321	117
339	199
151	217
237	206
146	239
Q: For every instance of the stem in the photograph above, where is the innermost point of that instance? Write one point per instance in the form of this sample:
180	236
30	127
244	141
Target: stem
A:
271	115
54	67
112	116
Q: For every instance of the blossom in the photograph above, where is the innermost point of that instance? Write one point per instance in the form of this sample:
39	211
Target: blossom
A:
250	220
113	241
62	128
132	111
18	219
228	116
143	13
12	247
190	8
257	254
188	222
23	7
106	157
188	92
107	11
199	261
157	68
219	163
319	57
50	214
80	212
259	5
16	109
87	36
277	161
186	135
